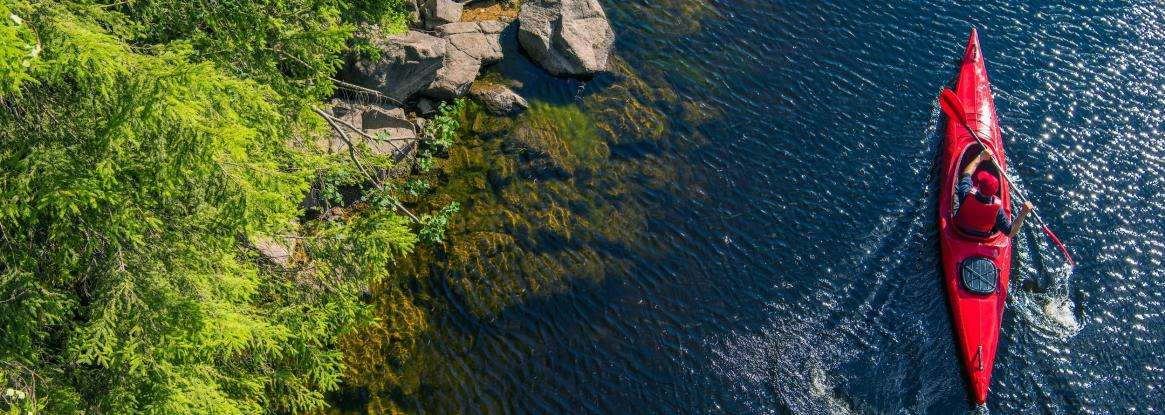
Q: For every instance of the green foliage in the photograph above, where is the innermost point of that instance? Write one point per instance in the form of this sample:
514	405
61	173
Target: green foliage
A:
356	249
425	160
142	144
17	401
415	187
334	178
292	45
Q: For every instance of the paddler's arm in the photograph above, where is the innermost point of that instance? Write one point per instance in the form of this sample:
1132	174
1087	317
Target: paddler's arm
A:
1015	226
963	188
965	184
974	164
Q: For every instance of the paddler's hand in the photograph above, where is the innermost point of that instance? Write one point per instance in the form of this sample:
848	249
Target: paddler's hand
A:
1027	209
984	155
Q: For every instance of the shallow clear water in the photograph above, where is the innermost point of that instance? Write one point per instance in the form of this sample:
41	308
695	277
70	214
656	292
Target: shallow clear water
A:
789	261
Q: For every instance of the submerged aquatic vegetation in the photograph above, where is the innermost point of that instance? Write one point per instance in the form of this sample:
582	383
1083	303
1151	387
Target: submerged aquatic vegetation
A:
538	194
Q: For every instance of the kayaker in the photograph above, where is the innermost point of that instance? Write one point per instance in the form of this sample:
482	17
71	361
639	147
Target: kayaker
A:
980	210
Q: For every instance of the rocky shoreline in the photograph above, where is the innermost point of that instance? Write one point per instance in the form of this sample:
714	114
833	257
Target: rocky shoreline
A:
385	99
447	47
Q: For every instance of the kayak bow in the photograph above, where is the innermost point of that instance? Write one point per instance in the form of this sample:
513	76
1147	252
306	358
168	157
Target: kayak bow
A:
975	269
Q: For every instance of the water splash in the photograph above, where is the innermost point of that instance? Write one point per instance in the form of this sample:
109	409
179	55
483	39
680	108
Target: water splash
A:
822	387
1051	312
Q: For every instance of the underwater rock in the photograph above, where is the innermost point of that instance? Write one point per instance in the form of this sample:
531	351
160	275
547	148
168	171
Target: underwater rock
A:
408	63
439	12
471	45
566	37
498	99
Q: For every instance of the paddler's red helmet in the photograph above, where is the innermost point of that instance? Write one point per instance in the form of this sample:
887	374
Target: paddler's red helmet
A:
987	183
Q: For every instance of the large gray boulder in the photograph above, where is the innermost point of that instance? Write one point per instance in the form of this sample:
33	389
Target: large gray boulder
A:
439	12
454	78
481	40
566	37
408	63
498	99
470	45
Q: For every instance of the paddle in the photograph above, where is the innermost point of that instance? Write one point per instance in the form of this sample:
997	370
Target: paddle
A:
953	107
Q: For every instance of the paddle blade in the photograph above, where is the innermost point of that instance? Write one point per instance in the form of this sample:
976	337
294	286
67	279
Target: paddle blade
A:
1063	249
952	105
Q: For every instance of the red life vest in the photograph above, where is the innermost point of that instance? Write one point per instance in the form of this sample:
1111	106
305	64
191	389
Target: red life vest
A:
976	217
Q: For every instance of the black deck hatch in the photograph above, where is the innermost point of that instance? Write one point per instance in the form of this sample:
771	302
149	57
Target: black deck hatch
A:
979	275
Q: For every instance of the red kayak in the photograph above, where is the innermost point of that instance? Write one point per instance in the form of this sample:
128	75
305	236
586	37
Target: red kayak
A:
975	268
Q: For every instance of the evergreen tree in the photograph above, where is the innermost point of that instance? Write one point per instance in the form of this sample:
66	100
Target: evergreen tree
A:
143	144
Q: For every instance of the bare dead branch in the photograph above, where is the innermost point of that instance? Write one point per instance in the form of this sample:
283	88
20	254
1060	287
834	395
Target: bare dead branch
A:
370	91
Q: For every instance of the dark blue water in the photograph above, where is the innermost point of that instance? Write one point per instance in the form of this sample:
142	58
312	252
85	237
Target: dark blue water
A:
789	263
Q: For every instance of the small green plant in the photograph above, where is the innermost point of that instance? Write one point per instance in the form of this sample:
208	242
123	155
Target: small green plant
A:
433	226
16	402
335	179
415	187
441	133
382	198
424	160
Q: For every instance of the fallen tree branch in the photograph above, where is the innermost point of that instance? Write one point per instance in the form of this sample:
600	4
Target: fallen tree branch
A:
373	92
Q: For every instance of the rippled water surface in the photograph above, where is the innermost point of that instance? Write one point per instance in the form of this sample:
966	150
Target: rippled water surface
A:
781	255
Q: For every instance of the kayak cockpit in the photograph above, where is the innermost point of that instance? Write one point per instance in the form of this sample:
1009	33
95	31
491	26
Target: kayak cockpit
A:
969	153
